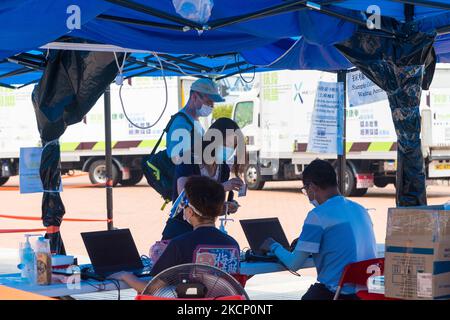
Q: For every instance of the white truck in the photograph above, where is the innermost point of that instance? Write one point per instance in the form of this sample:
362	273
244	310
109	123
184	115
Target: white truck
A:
82	145
276	116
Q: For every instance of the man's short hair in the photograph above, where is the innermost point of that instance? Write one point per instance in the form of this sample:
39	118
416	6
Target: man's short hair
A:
321	173
206	195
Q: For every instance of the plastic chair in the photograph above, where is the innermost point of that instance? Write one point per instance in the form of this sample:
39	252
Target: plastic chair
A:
357	273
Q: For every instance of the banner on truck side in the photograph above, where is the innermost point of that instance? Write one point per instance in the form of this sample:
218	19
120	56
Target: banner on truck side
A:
29	164
361	90
327	119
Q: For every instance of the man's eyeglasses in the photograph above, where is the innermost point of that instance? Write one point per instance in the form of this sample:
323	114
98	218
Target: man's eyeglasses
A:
304	189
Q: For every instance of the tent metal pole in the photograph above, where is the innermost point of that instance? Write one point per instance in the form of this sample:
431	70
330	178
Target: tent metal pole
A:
137	22
267	12
409	12
4	85
151	70
356	21
258	14
108	158
185	62
156	13
234	73
16	72
342	77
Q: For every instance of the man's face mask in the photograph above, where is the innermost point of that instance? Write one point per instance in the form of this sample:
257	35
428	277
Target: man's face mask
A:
206	109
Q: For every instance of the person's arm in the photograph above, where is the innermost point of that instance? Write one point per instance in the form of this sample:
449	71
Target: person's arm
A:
309	242
131	280
292	260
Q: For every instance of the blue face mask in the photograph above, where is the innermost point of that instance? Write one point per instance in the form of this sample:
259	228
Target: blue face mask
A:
224	154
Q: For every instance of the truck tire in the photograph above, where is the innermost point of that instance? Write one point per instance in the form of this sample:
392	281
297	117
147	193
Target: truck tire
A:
253	177
3	180
350	182
97	173
350	185
135	177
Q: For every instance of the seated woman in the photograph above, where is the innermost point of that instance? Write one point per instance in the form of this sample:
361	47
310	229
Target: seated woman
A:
223	147
203	204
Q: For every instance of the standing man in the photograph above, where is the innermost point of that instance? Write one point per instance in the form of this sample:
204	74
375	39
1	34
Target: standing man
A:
336	232
179	140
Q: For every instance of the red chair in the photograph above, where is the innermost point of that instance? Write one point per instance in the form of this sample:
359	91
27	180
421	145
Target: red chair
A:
357	273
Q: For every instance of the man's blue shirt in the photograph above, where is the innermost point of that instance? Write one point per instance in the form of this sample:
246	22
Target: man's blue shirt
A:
337	232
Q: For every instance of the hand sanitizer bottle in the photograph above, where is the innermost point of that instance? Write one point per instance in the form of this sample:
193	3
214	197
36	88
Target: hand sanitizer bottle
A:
28	261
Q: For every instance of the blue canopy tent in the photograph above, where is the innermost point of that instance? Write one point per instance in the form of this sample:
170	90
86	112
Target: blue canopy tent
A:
328	35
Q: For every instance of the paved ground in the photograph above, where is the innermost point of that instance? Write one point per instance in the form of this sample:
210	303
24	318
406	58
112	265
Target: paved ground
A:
138	208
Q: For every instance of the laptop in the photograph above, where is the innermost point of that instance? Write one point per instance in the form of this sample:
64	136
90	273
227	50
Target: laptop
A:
113	251
258	230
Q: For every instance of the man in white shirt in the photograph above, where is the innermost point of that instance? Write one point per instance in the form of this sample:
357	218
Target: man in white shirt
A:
336	232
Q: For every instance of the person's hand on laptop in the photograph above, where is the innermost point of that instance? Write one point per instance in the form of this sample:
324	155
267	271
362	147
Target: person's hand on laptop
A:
122	276
267	245
130	279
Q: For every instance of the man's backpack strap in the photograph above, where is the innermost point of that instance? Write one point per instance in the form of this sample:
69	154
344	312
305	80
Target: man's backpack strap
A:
166	129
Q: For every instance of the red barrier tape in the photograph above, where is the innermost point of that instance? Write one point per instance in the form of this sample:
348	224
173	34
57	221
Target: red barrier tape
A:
64	219
78	186
21	230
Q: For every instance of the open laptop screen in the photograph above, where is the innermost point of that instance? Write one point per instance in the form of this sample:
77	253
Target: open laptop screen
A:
258	230
112	251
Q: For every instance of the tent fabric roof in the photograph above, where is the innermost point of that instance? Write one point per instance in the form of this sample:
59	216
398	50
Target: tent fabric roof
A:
298	38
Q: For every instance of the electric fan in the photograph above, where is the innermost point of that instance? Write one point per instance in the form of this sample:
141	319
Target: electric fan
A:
194	281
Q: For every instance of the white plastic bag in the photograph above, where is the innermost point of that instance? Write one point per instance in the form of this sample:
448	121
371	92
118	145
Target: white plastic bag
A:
195	10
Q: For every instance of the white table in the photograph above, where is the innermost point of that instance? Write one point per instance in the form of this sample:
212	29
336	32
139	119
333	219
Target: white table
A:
92	286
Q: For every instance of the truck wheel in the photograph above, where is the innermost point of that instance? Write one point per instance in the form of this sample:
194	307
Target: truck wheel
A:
253	178
97	173
135	177
349	182
3	180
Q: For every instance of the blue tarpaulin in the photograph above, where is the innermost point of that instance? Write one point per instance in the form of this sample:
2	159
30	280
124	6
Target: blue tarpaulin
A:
266	33
29	24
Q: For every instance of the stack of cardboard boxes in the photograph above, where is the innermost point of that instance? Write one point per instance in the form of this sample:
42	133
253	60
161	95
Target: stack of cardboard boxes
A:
417	256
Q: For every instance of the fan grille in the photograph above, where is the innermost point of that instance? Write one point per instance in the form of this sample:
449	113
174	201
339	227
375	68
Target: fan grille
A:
217	282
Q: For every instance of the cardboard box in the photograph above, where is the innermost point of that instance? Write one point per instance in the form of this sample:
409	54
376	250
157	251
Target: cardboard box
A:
417	255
